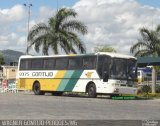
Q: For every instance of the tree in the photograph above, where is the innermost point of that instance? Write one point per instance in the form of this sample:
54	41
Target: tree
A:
60	33
1	60
148	45
104	48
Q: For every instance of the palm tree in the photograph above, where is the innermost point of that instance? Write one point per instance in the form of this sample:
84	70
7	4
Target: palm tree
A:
104	48
148	45
60	33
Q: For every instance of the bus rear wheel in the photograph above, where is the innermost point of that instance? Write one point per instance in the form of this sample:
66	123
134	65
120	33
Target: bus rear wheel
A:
36	89
91	90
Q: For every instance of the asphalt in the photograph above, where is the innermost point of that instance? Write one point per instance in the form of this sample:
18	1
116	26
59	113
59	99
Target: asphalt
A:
26	105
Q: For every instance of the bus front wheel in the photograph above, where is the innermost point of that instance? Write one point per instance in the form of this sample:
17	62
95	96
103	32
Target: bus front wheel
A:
91	90
36	89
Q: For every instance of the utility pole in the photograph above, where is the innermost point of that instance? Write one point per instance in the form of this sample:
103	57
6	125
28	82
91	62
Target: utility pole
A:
29	14
57	5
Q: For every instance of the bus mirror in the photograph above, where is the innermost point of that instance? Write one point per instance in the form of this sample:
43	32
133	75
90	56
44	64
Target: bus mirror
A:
105	77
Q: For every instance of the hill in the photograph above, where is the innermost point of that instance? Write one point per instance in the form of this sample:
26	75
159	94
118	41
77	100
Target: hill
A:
10	55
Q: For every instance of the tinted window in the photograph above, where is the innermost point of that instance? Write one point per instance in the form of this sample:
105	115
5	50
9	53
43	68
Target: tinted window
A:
119	69
100	65
89	62
75	63
61	63
131	66
49	64
25	64
104	63
37	64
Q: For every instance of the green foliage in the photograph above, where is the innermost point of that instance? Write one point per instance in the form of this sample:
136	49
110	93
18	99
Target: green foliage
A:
148	44
60	33
149	96
145	89
1	60
157	88
104	49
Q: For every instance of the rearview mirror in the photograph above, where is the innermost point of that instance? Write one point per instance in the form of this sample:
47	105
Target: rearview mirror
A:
105	76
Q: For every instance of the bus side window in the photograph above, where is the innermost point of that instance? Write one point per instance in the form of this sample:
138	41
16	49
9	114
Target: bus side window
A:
75	63
61	63
25	64
49	64
37	64
89	62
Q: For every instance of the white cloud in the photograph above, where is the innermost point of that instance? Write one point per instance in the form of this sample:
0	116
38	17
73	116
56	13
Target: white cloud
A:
111	22
13	23
22	41
13	14
10	18
115	22
44	13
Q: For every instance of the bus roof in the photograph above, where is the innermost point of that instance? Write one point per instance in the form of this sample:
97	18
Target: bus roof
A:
118	55
89	54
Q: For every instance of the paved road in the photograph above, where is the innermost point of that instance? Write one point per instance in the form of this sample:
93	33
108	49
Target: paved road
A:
28	106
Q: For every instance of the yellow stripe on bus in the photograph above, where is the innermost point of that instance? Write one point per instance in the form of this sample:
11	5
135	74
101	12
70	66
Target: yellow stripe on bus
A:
72	54
53	83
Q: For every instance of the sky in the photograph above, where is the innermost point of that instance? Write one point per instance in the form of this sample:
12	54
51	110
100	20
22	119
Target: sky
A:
115	23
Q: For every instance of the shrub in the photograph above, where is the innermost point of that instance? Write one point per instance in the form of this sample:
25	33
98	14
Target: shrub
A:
157	88
145	89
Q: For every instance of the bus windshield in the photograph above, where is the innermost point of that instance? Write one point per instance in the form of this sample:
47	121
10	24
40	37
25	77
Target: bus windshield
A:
131	69
122	69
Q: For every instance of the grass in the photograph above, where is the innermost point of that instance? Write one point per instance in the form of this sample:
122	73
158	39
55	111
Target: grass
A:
149	96
141	96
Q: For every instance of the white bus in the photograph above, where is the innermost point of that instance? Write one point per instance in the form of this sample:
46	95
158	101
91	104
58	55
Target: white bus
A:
98	73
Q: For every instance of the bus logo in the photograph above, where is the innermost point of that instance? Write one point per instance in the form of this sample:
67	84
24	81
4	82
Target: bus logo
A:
89	74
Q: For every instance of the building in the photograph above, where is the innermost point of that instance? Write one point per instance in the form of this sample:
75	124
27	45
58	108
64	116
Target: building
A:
9	72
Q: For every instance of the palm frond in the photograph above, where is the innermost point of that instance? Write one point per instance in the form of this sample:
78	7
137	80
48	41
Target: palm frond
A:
61	16
77	42
146	34
40	41
64	42
144	52
59	33
54	47
37	30
65	13
73	40
138	46
45	48
158	28
75	25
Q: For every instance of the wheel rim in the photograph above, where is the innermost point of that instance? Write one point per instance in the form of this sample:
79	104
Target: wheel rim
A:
36	88
91	91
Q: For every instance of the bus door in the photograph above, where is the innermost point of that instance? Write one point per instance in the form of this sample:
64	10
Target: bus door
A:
103	67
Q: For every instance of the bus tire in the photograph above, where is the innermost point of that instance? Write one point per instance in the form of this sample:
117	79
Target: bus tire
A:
36	89
91	90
